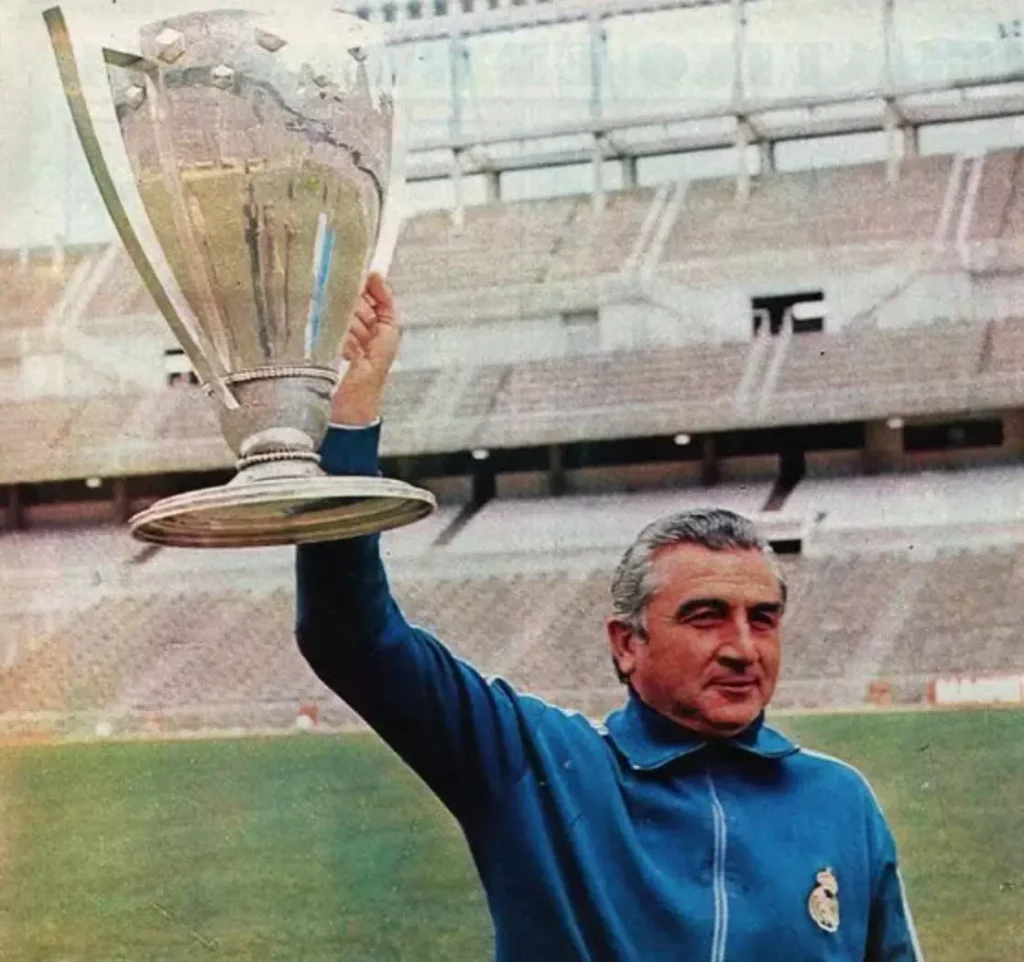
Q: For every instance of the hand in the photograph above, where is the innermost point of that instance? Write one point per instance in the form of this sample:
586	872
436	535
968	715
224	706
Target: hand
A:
369	346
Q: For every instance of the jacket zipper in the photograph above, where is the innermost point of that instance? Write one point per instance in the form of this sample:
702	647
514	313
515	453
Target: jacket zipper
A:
718	876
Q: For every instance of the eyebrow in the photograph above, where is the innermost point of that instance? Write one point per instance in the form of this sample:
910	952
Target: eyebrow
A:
694	605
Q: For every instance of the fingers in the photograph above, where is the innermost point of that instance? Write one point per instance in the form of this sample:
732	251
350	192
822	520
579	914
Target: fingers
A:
365	311
359	334
374	306
379	295
363	323
351	349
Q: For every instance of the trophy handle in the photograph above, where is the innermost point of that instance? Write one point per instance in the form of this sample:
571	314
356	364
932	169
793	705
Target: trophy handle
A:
392	215
391	220
200	353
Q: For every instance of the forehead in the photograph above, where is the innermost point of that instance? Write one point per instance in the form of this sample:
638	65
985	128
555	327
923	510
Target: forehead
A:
739	575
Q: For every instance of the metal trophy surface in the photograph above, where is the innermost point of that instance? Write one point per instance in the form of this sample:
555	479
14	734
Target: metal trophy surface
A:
247	159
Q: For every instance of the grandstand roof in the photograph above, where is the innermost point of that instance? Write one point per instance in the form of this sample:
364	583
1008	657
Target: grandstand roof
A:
769	120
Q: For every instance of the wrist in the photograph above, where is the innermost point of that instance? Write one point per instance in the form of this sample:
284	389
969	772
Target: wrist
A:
354	407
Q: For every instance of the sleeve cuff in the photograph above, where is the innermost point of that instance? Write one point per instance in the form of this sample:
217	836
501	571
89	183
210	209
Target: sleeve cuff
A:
350	449
375	423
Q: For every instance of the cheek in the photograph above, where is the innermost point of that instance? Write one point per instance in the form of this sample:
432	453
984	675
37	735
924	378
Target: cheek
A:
680	659
770	652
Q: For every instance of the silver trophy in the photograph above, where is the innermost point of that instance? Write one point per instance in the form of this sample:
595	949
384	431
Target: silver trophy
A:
249	159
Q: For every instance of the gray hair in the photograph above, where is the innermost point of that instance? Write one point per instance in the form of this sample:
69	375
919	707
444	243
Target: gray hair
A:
633	584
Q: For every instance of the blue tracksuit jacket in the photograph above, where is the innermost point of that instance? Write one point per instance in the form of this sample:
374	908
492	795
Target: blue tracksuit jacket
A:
637	841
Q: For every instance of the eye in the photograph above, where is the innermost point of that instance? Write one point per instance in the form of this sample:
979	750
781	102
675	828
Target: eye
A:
763	620
703	619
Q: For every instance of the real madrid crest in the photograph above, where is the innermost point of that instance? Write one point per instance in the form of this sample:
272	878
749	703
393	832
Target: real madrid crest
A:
823	903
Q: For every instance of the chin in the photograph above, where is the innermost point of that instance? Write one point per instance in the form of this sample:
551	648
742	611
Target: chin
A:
735	717
729	726
717	724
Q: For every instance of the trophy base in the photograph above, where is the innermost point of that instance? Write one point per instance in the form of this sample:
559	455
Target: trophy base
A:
249	513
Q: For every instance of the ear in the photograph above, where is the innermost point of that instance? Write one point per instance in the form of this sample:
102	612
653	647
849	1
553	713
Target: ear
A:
623	641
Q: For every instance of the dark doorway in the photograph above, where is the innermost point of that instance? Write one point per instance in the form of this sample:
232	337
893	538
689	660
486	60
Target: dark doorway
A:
806	307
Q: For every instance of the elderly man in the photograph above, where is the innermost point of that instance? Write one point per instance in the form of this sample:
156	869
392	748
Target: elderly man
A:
683	829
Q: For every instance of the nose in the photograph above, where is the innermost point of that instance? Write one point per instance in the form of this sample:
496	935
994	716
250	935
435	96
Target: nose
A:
739	650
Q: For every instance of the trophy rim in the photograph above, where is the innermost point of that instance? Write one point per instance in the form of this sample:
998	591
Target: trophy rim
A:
262	513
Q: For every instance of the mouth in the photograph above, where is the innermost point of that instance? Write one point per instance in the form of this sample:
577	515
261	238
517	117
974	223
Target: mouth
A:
736	688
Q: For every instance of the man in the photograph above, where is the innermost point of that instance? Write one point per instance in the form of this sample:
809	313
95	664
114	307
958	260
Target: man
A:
685	829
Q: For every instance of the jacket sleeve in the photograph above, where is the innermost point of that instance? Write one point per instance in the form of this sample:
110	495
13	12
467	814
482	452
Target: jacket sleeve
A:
459	732
891	933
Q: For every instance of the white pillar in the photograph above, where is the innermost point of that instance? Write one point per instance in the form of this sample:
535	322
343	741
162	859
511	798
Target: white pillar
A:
891	120
459	208
597	59
891	125
492	186
744	138
456	52
744	135
629	163
597	64
739	37
58	259
911	145
597	165
889	74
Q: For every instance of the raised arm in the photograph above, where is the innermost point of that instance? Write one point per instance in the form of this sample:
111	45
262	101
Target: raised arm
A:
460	733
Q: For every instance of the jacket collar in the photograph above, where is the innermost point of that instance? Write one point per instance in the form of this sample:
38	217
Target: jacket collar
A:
649	740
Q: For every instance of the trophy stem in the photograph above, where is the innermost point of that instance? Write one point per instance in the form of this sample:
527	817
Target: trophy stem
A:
284	464
283	414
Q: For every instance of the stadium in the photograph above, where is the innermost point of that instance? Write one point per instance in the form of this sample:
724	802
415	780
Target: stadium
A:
765	255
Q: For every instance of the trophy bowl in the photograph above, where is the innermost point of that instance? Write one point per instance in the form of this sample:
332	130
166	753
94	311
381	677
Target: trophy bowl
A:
250	160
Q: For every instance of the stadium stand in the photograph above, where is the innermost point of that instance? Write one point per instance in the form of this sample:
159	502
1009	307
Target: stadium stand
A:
121	295
900	579
507	260
1003	347
921	512
498	245
59	552
996	194
169	643
965	617
614	395
32	287
810	210
870	371
602	240
542	527
505	246
204	652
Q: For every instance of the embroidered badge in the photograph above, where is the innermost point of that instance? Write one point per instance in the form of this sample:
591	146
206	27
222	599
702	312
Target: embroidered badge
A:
823	903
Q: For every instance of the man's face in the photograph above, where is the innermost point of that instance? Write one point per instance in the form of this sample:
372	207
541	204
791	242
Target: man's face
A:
711	657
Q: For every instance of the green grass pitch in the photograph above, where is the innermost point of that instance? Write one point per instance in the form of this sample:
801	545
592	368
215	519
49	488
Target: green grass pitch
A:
314	848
